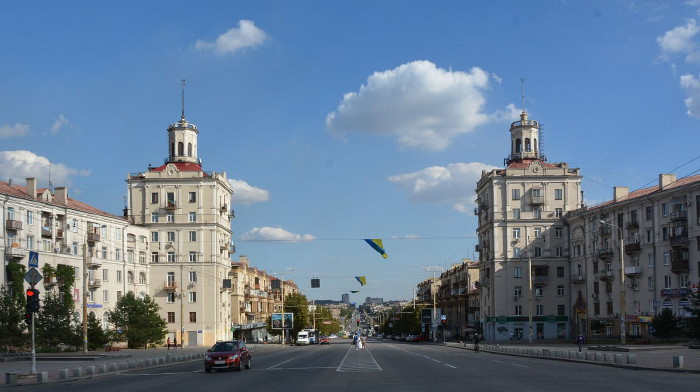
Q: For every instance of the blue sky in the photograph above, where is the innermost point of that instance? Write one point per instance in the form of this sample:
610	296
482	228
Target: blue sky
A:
338	120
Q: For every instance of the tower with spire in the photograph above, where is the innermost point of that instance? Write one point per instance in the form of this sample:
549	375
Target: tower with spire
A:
182	138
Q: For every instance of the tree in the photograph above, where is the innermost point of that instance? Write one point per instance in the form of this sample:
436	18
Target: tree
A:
97	337
324	315
137	322
694	321
54	324
12	327
298	305
665	324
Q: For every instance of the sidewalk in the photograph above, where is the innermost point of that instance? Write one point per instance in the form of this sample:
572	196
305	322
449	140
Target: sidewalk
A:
655	357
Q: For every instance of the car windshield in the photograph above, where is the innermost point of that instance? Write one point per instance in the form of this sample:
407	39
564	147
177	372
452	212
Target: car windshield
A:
225	346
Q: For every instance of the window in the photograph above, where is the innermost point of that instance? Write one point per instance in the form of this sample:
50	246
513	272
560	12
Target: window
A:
667	281
171	317
170	298
154	257
130	277
538	232
30	217
561	310
119	276
559	251
171	217
154	217
516	233
558	212
10	213
104	252
91	295
610	307
119	295
171	236
30	242
650	282
105	275
192	197
560	272
193	257
664	234
142	257
154	198
664	209
75	248
667	258
647	213
540	310
193	217
515	193
518	292
648	236
154	236
558	194
193	276
517	252
683	280
537	213
560	291
170	199
74	226
105	295
518	272
558	232
171	257
538	291
193	296
118	254
518	310
516	213
193	236
193	317
538	251
142	278
596	308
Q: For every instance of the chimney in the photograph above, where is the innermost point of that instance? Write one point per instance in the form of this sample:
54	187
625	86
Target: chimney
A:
665	180
620	192
62	194
31	187
243	260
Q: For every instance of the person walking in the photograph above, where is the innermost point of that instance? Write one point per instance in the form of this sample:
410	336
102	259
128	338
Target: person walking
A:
168	343
175	342
356	341
579	341
363	341
477	339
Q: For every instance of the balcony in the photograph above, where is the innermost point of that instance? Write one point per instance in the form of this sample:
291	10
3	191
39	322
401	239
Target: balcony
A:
11	224
485	281
606	275
632	225
578	278
231	214
633	270
93	237
50	281
605	254
679	216
93	262
605	231
540	279
94	284
170	285
15	252
170	205
679	240
536	200
46	232
633	248
59	234
679	265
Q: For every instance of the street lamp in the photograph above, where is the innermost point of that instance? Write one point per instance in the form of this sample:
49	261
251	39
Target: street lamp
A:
529	290
289	271
623	315
433	269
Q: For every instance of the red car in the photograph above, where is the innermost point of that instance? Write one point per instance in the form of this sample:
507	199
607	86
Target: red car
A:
325	340
227	355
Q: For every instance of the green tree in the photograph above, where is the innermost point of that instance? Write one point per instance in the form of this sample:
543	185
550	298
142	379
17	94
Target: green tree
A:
97	337
137	322
298	305
694	321
12	326
54	324
325	322
665	324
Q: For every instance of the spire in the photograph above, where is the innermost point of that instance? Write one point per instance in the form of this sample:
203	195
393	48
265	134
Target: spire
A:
182	82
522	92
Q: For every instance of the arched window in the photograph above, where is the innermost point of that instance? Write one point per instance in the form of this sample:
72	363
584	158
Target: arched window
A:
142	278
534	145
189	149
105	321
527	145
180	149
172	149
142	295
130	277
518	146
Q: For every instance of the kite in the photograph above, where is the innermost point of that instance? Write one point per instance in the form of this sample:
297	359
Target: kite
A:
362	280
354	291
377	245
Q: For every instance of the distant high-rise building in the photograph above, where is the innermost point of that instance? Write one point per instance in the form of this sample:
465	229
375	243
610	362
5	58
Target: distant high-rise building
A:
345	298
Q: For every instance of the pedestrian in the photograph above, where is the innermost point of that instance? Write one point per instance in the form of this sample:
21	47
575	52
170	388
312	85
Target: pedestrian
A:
175	342
477	339
579	341
356	342
363	340
168	343
511	335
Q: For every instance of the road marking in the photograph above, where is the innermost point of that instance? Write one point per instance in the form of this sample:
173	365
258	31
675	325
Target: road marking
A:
291	359
515	364
435	360
453	367
357	364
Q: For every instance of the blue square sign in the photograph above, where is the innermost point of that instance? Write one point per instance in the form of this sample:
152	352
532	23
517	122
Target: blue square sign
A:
34	259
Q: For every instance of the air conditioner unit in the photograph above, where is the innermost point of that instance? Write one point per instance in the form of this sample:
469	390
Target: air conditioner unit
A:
56	249
67	251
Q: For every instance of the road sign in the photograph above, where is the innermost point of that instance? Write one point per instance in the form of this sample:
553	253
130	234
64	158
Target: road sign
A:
34	259
694	288
443	317
32	276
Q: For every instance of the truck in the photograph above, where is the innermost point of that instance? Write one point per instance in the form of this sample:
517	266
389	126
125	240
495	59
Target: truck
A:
302	338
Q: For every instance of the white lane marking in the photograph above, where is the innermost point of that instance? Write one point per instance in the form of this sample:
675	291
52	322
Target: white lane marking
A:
435	360
515	364
453	367
357	366
291	359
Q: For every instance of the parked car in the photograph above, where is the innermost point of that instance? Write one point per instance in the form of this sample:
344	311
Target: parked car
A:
380	336
325	340
231	354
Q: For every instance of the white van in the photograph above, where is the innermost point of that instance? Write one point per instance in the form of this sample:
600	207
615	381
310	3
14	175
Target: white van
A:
303	338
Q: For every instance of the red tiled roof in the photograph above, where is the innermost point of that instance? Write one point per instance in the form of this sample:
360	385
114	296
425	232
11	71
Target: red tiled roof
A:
525	163
21	192
647	191
181	166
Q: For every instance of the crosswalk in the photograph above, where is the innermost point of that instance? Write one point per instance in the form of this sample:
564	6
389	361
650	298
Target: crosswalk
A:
358	361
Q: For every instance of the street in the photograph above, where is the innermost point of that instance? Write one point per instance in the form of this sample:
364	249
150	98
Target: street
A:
384	366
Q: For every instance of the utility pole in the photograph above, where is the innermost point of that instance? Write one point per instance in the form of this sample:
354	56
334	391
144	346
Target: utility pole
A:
289	271
85	295
623	313
529	290
433	290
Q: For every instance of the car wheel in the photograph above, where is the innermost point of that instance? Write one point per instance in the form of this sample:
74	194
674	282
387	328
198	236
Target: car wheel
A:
208	370
247	366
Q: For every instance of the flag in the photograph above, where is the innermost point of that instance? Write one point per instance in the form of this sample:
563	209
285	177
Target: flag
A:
377	245
354	291
362	280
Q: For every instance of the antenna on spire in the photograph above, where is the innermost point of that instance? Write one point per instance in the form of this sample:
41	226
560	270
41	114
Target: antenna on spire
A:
182	82
51	188
522	90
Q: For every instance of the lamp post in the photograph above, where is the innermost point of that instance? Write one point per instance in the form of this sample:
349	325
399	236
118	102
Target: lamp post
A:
289	271
623	314
529	291
433	291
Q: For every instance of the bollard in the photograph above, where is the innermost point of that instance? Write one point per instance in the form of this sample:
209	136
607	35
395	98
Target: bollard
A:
620	358
678	362
90	370
631	359
77	372
101	368
112	367
42	377
63	374
11	378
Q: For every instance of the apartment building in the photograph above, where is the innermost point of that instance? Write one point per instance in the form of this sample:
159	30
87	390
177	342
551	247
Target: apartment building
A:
187	213
635	255
520	210
458	298
107	254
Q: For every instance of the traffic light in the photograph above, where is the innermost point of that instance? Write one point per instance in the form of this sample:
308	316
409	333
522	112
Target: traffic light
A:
28	318
33	304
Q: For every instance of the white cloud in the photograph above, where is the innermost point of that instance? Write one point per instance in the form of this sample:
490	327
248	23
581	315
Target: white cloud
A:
680	40
246	35
452	184
244	193
423	106
8	131
691	85
58	124
274	234
22	164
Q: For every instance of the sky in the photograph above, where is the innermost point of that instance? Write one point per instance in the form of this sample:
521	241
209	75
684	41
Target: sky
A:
337	121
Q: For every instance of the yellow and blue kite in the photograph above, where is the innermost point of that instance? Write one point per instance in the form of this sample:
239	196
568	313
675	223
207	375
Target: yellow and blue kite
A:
362	280
377	245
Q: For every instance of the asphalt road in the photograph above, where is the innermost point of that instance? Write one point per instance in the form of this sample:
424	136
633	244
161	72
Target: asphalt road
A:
384	366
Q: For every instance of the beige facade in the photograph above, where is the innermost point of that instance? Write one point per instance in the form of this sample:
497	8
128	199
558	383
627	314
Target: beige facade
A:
187	213
654	232
109	255
458	298
520	210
